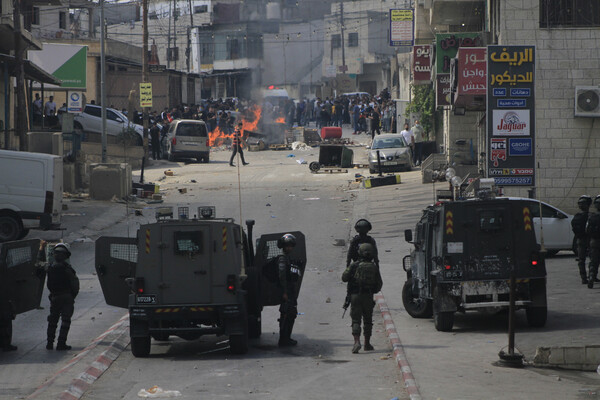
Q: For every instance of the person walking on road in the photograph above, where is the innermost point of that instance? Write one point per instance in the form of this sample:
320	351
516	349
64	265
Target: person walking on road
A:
593	230
362	227
418	132
409	139
63	285
288	276
155	140
364	280
375	118
578	224
236	145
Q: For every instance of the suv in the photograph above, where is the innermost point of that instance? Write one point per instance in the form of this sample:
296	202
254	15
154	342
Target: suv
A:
464	254
188	138
192	277
90	120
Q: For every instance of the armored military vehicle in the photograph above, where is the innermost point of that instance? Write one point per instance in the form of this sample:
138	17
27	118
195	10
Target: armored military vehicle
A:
463	256
190	277
21	280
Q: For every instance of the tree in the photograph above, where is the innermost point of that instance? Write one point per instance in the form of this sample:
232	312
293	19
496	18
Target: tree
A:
423	104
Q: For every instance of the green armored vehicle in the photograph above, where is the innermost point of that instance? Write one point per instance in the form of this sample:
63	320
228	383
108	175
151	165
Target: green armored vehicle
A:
463	256
190	277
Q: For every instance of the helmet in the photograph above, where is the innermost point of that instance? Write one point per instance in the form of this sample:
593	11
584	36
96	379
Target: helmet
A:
597	200
286	240
585	199
362	226
366	250
62	247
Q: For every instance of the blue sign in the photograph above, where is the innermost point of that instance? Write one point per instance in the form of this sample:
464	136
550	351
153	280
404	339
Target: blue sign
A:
514	180
507	103
499	91
520	92
520	147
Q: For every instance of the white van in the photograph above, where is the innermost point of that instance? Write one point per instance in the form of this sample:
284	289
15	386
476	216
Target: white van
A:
31	189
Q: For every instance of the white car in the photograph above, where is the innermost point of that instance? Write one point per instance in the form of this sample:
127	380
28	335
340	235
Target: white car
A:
90	120
555	225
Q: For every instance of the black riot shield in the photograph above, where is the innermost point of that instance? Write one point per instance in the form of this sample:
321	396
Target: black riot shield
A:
116	258
266	252
22	279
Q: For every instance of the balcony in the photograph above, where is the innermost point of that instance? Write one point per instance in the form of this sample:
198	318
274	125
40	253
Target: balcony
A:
450	15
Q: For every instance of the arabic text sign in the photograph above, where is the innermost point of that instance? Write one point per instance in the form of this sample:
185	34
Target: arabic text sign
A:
472	77
145	95
422	63
511	105
442	90
401	27
447	45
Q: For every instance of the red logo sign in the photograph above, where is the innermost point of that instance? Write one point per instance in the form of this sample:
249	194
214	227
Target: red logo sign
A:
498	150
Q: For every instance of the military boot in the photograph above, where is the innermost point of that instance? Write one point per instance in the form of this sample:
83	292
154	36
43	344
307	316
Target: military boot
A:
583	275
590	282
356	346
368	345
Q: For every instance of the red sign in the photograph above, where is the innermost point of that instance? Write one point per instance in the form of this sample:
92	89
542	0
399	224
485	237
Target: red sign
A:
498	151
422	64
472	77
442	90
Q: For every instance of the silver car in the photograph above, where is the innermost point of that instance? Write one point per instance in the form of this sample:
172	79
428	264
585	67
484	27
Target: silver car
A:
188	138
393	151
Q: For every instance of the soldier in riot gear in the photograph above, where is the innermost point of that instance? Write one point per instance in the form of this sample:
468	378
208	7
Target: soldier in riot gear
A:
362	227
578	224
63	285
364	280
593	230
288	276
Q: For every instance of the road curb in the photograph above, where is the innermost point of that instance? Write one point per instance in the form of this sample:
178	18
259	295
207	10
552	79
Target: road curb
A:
83	382
407	376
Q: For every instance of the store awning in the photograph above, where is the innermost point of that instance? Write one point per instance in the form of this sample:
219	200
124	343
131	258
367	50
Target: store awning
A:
32	71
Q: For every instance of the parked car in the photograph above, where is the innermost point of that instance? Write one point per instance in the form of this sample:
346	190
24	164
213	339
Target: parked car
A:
90	120
31	193
393	153
188	138
556	225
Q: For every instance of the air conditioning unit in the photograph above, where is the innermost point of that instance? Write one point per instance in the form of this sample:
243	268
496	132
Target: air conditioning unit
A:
587	101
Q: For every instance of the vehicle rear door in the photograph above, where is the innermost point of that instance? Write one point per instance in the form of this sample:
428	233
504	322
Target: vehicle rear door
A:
186	272
266	251
116	260
191	137
488	236
23	280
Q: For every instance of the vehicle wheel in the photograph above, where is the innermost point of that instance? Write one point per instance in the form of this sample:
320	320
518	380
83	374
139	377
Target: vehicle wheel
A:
443	321
24	233
415	307
170	156
238	344
77	125
139	141
314	166
254	326
574	246
537	311
206	159
140	346
10	228
372	171
161	337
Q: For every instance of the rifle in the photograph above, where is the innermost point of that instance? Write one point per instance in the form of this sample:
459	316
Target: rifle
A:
346	304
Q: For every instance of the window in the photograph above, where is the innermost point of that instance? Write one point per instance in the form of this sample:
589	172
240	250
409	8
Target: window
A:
353	39
188	242
191	130
173	54
569	13
547	211
18	256
62	20
93	111
35	17
200	9
233	49
336	41
126	252
490	220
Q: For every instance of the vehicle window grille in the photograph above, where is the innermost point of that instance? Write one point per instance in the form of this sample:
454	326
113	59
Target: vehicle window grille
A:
272	250
126	252
18	256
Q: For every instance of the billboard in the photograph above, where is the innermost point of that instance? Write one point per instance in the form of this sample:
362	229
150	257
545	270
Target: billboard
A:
422	64
472	71
511	115
66	62
402	22
447	45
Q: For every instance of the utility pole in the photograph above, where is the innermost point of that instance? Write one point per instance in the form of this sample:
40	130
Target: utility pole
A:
145	72
169	38
176	15
21	117
342	29
188	51
103	79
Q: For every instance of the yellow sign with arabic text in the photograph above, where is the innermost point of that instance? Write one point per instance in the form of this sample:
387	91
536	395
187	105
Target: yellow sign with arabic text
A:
145	94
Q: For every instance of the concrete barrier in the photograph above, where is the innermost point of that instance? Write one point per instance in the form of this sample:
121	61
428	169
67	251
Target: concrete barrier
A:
108	180
115	154
582	358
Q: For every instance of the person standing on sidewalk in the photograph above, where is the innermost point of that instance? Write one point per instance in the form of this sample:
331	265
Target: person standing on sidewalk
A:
236	145
593	230
63	285
578	224
364	280
418	133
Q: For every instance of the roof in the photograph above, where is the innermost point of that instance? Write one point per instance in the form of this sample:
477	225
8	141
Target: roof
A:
32	71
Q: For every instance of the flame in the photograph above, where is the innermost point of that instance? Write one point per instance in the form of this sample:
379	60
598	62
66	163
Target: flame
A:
280	120
217	137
